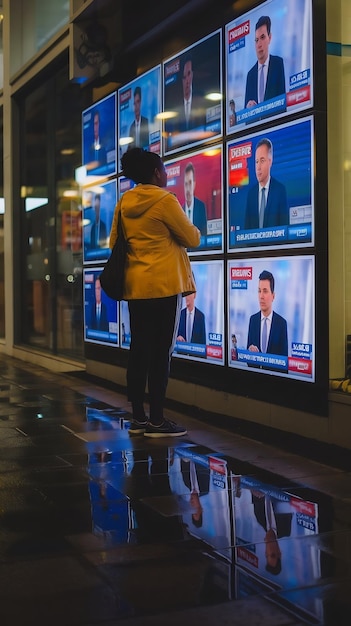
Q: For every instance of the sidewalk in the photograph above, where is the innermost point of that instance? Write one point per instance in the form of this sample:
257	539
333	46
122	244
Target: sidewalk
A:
99	527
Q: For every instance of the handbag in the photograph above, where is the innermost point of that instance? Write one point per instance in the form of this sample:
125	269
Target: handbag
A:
112	276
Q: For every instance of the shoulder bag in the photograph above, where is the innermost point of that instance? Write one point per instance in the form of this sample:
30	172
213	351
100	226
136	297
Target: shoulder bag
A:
112	276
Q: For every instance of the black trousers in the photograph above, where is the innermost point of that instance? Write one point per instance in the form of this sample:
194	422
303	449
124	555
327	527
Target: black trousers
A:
153	326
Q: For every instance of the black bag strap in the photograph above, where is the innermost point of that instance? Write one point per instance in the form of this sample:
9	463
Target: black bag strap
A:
120	231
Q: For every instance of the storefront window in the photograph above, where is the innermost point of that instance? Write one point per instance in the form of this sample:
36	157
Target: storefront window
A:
37	219
32	24
1	49
2	211
346	65
51	315
69	308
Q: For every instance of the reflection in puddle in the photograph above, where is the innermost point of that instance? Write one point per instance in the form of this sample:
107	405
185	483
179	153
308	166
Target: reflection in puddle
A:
253	537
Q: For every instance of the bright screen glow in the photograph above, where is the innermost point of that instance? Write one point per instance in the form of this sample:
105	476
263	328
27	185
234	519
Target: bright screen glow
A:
205	338
188	78
280	160
99	133
290	309
285	85
100	322
196	180
139	104
99	202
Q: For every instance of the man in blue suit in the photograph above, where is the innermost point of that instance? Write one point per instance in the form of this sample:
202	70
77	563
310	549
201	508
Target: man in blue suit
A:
267	203
268	331
194	207
98	314
97	152
266	79
190	107
139	128
98	233
192	327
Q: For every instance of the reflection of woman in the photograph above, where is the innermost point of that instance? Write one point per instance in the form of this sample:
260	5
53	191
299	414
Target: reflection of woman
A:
234	350
232	113
158	272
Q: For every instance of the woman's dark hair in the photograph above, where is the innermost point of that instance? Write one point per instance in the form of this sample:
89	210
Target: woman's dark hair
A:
139	165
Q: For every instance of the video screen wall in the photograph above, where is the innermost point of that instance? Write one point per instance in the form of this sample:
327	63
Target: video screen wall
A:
269	63
239	147
196	180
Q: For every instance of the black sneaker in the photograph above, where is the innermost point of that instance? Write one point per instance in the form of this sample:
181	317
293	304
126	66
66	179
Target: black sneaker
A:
137	428
166	429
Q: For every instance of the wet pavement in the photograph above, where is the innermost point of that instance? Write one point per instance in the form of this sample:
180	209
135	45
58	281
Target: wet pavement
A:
101	527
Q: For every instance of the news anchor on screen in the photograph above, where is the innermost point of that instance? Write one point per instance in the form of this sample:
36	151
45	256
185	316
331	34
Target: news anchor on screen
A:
266	79
98	233
190	105
268	331
192	325
192	111
97	152
194	207
139	128
98	313
267	203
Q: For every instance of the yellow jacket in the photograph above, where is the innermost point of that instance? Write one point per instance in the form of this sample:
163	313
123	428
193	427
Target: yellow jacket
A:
157	231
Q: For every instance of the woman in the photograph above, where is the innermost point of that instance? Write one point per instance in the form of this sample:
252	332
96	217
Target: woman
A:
157	274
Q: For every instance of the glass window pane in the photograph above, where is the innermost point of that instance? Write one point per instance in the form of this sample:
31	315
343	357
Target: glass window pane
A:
52	311
1	49
51	16
34	191
2	210
33	23
69	306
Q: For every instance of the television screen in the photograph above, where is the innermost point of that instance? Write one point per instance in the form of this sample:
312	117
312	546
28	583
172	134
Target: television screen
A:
99	132
100	312
277	547
196	180
272	316
201	326
139	106
99	203
192	94
277	163
269	65
125	325
124	184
